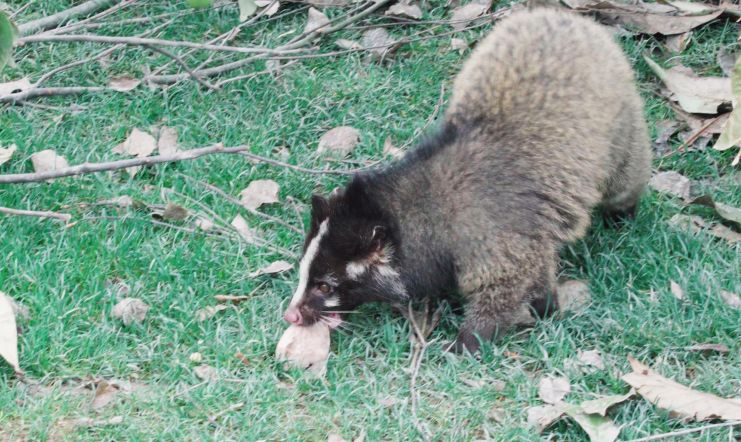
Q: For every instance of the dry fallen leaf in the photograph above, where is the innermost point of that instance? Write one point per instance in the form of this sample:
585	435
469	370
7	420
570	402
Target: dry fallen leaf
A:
204	223
602	404
139	144
123	84
259	192
552	389
701	95
244	230
8	333
542	416
6	153
208	312
731	299
720	348
681	401
105	393
676	290
390	149
665	129
677	43
465	14
592	358
270	7
316	21
13	87
48	160
726	59
378	42
167	144
696	224
458	44
671	182
305	347
130	310
234	299
174	212
731	132
348	44
340	140
725	211
273	267
573	296
404	8
206	372
598	428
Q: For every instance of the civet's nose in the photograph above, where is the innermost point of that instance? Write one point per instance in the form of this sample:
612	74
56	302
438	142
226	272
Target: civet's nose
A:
293	316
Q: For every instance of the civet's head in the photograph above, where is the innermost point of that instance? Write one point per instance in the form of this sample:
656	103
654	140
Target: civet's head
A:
348	259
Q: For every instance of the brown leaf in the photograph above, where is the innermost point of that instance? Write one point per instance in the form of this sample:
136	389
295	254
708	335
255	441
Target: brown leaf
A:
602	404
208	312
695	224
234	299
14	87
206	372
240	225
123	83
458	44
391	150
316	20
167	144
731	299
465	14
676	290
731	133
702	95
720	348
105	393
139	144
130	310
665	129
174	212
204	223
272	268
677	43
598	428
8	333
592	358
573	296
5	154
681	401
348	44
306	347
378	42
542	416
242	358
259	192
726	60
405	9
552	389
340	140
725	211
672	183
48	160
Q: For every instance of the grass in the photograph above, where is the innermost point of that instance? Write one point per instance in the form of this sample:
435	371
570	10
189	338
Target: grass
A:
66	277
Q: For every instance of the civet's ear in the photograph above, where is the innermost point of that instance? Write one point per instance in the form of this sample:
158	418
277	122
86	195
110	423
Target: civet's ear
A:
338	192
378	239
319	210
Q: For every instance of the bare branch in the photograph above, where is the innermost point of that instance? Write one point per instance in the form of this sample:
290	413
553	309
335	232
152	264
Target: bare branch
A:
64	217
54	20
49	92
687	431
304	169
182	64
121	164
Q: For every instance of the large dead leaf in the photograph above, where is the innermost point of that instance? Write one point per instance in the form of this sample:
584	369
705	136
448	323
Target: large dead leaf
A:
552	389
105	393
405	8
725	211
702	95
48	160
305	347
13	87
463	15
590	415
602	404
348	44
378	41
130	310
123	84
243	229
731	132
315	21
573	296
598	428
139	144
458	44
591	358
259	192
246	9
731	299
340	140
167	144
272	268
672	183
6	153
8	332
681	401
696	224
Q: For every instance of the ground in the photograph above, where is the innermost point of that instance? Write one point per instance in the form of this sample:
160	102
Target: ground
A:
67	276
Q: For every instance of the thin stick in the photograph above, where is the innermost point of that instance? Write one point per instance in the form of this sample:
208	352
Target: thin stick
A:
49	92
254	74
304	169
182	64
21	9
54	20
687	431
694	136
140	41
420	347
65	217
121	164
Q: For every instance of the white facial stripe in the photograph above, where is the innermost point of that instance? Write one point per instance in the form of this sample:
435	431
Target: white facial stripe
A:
305	265
355	268
332	301
386	270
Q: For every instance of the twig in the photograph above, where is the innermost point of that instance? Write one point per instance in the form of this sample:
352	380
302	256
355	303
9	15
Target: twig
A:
420	347
54	20
21	9
693	137
121	164
180	61
686	431
64	217
253	74
304	169
49	92
140	41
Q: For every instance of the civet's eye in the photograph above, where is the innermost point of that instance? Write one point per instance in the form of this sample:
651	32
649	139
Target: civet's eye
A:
324	287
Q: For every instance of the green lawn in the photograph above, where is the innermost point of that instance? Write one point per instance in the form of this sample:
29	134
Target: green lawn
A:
67	276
